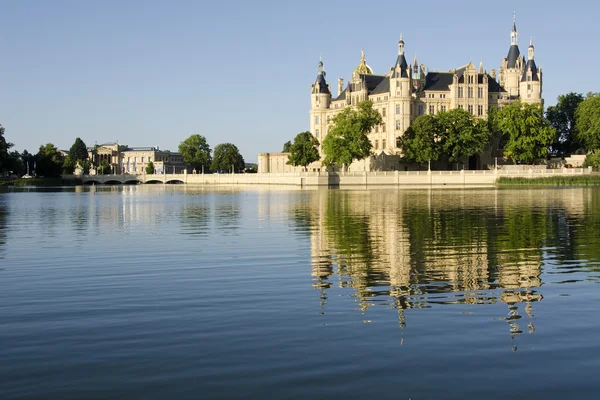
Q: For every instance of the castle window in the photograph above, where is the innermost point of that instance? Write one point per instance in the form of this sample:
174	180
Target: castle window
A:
470	92
460	92
480	92
460	107
528	87
316	119
317	133
443	108
376	128
397	108
376	144
383	128
397	124
470	109
420	109
397	83
383	144
383	112
432	109
480	110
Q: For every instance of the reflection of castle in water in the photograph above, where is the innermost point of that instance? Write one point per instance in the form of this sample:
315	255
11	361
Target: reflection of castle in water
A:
416	250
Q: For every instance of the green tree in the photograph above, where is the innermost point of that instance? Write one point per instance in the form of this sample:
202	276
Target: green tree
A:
562	118
592	159
150	168
4	147
78	155
78	151
463	135
104	167
227	155
68	167
14	163
527	134
421	142
304	150
587	120
347	138
196	151
287	146
48	161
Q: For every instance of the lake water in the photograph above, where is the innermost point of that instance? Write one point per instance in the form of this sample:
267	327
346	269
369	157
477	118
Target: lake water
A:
176	292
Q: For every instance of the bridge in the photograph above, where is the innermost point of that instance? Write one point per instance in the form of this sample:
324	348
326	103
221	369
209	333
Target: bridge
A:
132	179
460	178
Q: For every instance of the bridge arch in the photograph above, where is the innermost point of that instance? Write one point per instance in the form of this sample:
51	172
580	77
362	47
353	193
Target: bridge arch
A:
153	182
175	182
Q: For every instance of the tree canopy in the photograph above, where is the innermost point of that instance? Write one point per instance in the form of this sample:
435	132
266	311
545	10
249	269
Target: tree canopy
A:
587	119
4	147
227	155
347	138
287	146
562	118
196	151
463	135
48	161
421	141
527	134
304	150
455	134
150	168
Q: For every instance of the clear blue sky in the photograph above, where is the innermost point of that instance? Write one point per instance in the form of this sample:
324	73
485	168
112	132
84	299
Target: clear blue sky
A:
151	73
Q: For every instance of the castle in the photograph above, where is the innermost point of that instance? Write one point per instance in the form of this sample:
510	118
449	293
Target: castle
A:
408	91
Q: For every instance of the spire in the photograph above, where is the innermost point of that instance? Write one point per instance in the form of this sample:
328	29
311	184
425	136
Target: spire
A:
481	67
514	35
320	85
530	50
401	45
400	66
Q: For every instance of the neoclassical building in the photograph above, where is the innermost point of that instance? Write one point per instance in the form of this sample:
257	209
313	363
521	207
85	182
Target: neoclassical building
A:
407	91
133	160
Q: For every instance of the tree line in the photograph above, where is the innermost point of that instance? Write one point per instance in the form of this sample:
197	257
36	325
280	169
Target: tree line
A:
50	162
519	132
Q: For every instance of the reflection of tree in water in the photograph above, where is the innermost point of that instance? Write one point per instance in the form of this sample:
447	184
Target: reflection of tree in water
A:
408	250
3	222
227	213
348	230
195	219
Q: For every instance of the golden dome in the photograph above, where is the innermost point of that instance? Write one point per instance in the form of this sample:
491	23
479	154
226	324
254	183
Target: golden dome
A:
362	68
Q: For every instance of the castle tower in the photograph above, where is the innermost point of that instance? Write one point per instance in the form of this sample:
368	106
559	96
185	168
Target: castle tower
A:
531	80
512	66
320	101
400	93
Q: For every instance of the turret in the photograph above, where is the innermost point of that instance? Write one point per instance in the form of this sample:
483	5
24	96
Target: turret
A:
320	101
512	67
531	82
400	94
321	94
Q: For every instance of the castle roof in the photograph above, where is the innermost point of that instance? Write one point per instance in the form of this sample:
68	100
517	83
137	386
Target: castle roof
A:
383	87
530	66
441	81
513	55
321	84
400	61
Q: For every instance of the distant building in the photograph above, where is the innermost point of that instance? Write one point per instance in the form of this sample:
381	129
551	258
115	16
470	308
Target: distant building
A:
133	160
407	91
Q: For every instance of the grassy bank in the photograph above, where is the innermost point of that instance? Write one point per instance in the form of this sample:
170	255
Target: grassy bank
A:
572	180
41	182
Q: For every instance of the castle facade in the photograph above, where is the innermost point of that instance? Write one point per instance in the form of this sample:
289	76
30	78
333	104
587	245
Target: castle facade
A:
407	91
